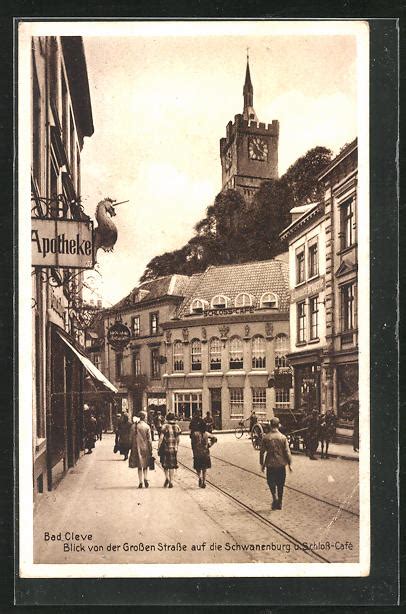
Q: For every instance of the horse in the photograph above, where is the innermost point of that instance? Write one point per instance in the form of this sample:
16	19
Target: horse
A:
327	429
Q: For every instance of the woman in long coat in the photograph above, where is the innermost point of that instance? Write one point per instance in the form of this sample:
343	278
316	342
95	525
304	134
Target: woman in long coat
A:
141	449
201	442
124	436
168	448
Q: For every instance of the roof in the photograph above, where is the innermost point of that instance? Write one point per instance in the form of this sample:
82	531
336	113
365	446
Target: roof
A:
348	149
169	285
254	278
309	212
75	61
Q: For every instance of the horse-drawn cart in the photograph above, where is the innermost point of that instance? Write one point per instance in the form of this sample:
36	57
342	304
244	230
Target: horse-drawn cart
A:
290	425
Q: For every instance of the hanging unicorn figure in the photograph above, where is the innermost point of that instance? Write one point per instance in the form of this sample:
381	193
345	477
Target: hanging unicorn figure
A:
105	234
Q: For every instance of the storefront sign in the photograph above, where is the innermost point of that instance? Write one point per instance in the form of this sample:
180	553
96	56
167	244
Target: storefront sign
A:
62	243
118	336
225	311
313	287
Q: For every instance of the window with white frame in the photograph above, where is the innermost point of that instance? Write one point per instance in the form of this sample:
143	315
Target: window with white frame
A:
243	300
347	307
196	355
347	225
219	301
136	363
236	353
198	305
215	354
187	403
269	300
236	402
282	398
313	258
314	317
301	322
135	326
178	362
300	265
259	401
258	352
281	350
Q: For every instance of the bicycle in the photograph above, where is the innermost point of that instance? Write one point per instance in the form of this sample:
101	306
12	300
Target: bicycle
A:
241	429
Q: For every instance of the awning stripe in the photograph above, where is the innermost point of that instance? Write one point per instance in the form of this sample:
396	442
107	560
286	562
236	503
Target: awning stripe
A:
89	366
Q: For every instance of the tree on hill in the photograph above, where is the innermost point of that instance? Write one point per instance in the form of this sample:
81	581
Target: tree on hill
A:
236	231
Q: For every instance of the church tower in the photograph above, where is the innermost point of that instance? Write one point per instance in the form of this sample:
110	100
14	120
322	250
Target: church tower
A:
249	152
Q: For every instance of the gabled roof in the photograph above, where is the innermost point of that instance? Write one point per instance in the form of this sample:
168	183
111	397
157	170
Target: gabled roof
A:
308	212
169	285
254	278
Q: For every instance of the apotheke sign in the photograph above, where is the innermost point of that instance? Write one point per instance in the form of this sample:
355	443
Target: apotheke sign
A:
62	243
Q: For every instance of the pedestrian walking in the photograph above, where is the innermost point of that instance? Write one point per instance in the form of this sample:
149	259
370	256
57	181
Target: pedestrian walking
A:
193	424
99	418
275	455
124	436
209	422
90	429
313	427
168	448
141	449
253	420
158	422
201	444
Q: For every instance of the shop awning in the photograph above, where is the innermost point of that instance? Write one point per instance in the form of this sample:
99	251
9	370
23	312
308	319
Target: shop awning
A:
89	366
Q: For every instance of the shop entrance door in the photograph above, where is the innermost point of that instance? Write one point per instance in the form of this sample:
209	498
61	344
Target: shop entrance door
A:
215	406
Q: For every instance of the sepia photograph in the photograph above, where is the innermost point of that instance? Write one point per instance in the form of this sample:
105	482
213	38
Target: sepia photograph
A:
194	306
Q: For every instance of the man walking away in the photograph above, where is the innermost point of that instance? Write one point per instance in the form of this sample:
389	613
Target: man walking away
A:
275	455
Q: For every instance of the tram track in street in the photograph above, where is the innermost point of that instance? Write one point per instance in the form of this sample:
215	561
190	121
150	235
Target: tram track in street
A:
276	528
287	487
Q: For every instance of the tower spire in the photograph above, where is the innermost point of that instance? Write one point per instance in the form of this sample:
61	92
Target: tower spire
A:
248	93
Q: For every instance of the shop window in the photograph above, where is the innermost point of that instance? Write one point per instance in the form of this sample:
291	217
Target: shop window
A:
236	353
136	363
300	265
313	259
219	301
269	300
301	322
314	317
347	311
236	403
135	326
155	364
187	404
281	350
243	300
307	387
282	398
348	396
259	401
258	353
153	323
347	226
215	354
119	365
196	355
178	363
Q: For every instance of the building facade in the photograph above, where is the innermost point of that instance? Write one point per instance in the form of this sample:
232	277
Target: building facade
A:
307	238
249	152
61	118
323	260
224	342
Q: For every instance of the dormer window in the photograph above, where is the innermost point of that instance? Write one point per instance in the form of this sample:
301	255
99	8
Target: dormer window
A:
243	300
198	305
219	301
269	300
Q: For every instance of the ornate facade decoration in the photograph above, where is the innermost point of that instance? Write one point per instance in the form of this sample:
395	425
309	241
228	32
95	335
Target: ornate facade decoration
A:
246	330
224	330
204	334
168	336
185	334
269	330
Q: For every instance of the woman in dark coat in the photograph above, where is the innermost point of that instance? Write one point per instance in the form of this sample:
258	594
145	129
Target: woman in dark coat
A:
91	430
124	436
201	442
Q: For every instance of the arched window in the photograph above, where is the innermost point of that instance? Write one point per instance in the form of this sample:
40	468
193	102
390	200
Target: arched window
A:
243	300
236	353
178	364
281	350
269	300
258	352
196	352
215	354
219	301
198	305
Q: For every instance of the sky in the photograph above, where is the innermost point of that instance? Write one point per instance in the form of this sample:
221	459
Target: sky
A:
160	105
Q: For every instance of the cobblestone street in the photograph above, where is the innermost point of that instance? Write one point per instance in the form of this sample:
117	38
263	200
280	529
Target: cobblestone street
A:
100	498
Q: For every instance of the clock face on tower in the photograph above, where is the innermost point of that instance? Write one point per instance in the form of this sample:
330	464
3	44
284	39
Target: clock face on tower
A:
257	149
228	159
